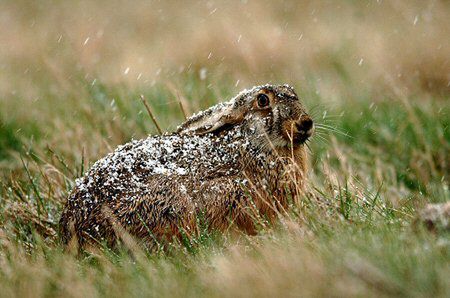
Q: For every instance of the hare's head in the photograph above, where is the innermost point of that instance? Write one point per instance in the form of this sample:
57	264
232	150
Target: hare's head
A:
272	113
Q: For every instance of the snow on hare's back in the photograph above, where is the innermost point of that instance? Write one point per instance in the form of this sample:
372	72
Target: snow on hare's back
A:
227	163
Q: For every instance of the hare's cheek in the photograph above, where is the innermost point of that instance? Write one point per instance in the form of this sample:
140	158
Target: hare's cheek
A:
268	121
265	113
288	129
264	119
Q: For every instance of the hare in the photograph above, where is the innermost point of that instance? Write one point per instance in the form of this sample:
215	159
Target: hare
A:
232	163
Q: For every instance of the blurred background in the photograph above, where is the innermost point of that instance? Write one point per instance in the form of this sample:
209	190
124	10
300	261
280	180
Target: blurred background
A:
53	50
373	44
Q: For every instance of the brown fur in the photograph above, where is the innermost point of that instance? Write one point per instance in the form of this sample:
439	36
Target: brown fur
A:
227	166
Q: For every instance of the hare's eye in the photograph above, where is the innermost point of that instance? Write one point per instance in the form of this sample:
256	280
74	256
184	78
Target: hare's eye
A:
263	100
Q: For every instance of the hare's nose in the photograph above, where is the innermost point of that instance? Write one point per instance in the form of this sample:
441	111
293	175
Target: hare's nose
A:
304	124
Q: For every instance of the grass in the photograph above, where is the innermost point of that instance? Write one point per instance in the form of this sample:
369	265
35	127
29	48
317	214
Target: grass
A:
373	77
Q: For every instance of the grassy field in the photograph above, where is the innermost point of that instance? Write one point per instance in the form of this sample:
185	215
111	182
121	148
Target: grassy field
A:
377	73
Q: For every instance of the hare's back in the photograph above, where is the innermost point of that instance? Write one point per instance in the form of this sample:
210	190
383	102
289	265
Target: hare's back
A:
128	171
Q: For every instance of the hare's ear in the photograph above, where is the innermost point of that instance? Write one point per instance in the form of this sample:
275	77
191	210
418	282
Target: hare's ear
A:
213	119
